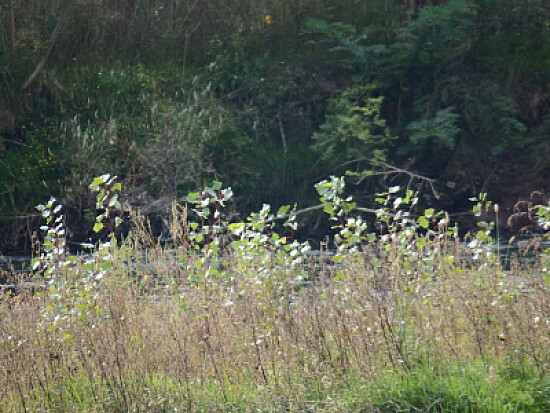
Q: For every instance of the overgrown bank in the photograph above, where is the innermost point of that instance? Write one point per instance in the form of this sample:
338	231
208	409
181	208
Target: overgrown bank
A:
269	97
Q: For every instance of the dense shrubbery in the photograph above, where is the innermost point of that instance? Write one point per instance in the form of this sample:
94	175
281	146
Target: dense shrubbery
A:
270	96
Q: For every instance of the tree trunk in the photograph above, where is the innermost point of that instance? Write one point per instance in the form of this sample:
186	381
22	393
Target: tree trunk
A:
13	37
40	66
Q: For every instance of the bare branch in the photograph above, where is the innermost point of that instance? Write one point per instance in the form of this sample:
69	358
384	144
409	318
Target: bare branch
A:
13	37
15	142
321	206
394	170
40	66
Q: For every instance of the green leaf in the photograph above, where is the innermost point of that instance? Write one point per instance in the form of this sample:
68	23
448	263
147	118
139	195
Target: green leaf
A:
98	227
423	222
329	209
192	197
236	227
339	277
98	180
283	210
337	259
35	263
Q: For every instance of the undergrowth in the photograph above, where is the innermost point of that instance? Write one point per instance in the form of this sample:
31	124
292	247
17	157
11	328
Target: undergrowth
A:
242	317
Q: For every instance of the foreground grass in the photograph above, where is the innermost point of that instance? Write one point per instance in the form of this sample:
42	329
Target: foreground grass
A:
363	336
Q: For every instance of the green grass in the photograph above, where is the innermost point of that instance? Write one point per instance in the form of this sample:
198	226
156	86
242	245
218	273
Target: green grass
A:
469	388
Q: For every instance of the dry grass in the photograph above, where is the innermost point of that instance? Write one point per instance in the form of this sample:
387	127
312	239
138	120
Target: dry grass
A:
246	336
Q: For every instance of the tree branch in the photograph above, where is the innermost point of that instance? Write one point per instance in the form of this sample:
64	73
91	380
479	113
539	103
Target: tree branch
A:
40	66
394	170
13	37
15	142
321	206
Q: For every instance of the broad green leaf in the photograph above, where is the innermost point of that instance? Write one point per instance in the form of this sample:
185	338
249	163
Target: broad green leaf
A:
423	222
283	210
329	209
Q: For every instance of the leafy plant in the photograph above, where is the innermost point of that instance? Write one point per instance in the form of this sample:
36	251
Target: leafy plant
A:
73	283
439	131
354	129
